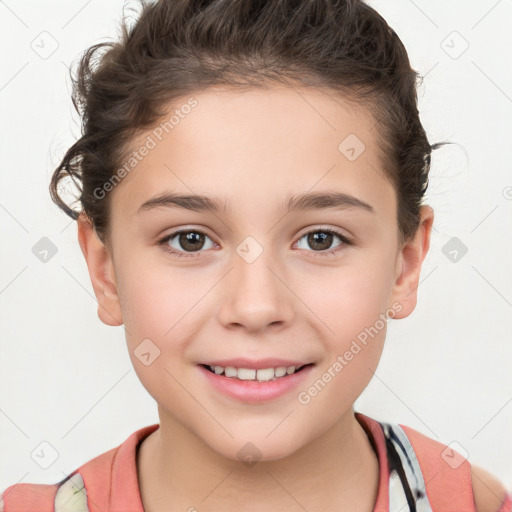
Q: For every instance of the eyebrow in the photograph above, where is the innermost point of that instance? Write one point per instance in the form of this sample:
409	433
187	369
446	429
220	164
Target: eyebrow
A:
293	203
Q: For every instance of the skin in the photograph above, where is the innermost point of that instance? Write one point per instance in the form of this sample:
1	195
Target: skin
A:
254	148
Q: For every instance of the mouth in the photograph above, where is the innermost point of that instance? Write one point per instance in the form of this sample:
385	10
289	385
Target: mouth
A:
250	385
271	373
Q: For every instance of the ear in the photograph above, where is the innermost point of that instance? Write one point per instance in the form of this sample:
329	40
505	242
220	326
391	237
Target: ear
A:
101	271
409	263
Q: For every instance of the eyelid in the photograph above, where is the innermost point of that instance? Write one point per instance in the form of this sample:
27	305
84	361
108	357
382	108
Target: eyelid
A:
162	241
342	233
346	240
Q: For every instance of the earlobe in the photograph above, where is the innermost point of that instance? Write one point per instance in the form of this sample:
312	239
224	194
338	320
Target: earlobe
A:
101	271
409	264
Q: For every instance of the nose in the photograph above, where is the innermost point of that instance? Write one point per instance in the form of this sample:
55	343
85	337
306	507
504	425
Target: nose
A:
256	294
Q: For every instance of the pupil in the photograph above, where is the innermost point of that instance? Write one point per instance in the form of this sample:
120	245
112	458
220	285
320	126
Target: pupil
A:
320	238
191	240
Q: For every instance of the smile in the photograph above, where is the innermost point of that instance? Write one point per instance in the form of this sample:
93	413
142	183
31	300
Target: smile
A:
261	375
248	384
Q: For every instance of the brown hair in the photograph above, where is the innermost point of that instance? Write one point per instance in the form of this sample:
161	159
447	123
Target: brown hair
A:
178	47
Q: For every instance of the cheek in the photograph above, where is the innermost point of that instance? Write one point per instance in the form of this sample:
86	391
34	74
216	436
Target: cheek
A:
162	313
157	316
349	301
157	302
353	320
351	308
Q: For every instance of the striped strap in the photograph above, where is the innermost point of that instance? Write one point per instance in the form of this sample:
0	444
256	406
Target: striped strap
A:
406	484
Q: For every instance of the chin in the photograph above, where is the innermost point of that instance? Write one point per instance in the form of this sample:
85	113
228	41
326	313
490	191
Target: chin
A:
258	447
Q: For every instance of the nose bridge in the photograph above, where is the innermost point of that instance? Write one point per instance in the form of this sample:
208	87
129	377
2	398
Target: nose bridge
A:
256	296
255	268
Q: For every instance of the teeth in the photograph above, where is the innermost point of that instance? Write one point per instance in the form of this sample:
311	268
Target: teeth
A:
264	374
230	371
246	374
280	371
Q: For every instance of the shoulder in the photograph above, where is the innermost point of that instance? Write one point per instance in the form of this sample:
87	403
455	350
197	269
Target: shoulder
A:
28	497
94	479
489	493
69	494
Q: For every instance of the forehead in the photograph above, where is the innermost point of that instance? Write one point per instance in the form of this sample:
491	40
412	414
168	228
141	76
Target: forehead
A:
253	147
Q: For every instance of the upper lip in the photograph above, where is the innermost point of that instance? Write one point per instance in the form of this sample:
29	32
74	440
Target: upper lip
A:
259	364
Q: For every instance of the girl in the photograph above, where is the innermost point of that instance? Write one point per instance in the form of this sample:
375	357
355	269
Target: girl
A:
252	176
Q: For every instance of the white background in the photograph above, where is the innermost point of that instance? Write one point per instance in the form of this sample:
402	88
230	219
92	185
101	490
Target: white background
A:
446	370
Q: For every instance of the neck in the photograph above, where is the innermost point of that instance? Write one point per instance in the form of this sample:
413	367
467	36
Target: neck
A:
336	471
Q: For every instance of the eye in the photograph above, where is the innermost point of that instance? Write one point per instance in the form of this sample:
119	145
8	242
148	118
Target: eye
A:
188	239
193	240
322	239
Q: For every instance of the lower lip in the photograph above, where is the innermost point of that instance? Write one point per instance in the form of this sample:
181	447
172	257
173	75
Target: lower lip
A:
254	391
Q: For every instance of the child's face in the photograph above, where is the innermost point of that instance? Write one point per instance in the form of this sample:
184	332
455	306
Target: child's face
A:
257	287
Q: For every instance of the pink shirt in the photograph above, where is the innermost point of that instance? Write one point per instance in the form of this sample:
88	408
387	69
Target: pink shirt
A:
439	478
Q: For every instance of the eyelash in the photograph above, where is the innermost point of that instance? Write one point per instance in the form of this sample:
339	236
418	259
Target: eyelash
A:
163	242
